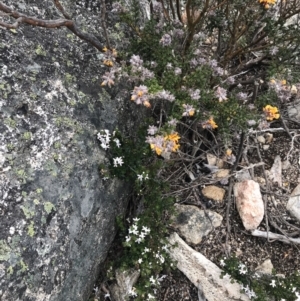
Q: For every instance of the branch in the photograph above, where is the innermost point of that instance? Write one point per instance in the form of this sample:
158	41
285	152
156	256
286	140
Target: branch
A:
275	236
70	24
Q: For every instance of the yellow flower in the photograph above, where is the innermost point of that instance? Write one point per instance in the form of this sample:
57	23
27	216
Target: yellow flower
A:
173	137
209	124
104	49
228	152
108	63
157	149
283	82
271	112
266	3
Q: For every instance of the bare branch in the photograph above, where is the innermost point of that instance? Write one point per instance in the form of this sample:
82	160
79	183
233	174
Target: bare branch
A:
70	24
61	9
275	236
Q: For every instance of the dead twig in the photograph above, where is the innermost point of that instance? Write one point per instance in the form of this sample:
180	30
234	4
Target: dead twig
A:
275	236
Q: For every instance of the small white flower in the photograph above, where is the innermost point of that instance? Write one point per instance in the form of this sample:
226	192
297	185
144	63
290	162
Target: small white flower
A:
242	269
152	280
273	283
146	229
140	177
107	295
138	240
146	250
117	141
135	219
222	263
118	161
142	235
140	260
146	177
132	292
128	238
150	297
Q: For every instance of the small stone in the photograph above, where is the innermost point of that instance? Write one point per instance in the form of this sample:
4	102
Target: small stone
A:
285	165
222	173
294	111
275	171
293	204
194	223
269	137
214	193
243	175
260	180
266	147
211	159
261	139
265	268
249	203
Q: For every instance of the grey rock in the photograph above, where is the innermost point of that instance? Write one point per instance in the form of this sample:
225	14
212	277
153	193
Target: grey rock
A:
57	215
276	171
194	223
294	111
124	286
293	204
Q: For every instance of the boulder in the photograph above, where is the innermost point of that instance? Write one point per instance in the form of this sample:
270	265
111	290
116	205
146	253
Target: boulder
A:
194	223
249	203
57	214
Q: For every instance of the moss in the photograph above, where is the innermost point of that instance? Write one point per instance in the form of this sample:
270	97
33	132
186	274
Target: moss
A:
36	201
4	250
48	206
68	78
30	229
27	212
27	136
10	122
10	270
24	267
40	51
10	147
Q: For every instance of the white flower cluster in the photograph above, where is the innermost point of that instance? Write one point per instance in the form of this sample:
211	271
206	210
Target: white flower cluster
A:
142	176
137	236
250	293
104	137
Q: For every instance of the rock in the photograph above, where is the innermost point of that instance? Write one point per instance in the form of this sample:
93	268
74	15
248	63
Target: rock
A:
125	283
266	147
269	137
194	223
201	271
57	214
293	204
249	203
286	165
261	139
214	193
294	111
265	268
243	175
213	160
275	171
221	174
